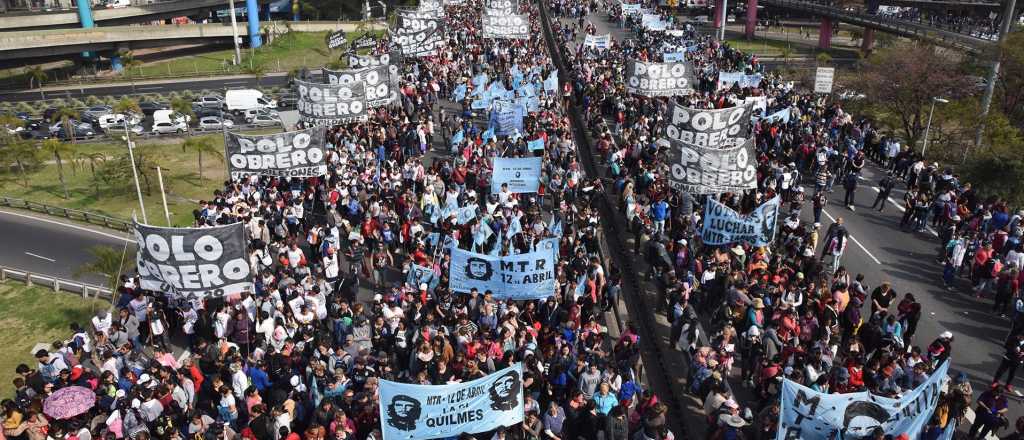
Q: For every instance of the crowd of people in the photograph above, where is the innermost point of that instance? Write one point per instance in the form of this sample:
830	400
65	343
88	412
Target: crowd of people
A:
790	310
332	311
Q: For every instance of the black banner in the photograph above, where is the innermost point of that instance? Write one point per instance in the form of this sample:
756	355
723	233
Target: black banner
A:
501	7
701	170
507	26
364	42
659	79
377	80
193	262
292	154
708	128
419	34
336	39
330	104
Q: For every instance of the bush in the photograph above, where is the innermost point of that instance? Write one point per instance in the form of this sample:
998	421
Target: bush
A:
995	177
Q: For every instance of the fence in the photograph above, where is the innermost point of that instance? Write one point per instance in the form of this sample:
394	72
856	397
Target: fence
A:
58	284
72	214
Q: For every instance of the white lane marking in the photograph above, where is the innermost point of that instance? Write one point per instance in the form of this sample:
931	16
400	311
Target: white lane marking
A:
902	209
69	225
150	88
40	257
232	83
854	239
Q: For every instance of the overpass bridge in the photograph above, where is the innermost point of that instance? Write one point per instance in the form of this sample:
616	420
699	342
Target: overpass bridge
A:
46	43
831	14
141	11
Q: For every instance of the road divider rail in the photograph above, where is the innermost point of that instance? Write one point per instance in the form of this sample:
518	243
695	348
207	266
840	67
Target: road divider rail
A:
58	284
71	214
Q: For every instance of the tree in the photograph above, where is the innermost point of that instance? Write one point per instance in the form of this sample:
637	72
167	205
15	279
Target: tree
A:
127	106
23	154
184	106
1009	93
128	63
202	145
36	76
256	69
59	150
108	262
903	101
94	159
65	114
824	58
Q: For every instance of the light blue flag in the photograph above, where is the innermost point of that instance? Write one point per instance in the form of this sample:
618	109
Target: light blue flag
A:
479	83
514	227
421	275
432	238
671	57
496	250
551	83
488	135
459	137
523	276
479	104
517	77
536	144
410	411
465	214
556	226
581	286
459	93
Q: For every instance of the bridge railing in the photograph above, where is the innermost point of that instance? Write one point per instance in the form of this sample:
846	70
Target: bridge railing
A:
885	23
71	214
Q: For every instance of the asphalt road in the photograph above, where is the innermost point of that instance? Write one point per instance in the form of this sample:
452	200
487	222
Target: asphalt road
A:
881	251
120	89
52	247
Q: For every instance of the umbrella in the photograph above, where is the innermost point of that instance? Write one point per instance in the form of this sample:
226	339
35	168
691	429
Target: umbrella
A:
69	402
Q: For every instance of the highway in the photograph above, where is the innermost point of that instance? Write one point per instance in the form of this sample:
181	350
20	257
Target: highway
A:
883	252
52	247
119	89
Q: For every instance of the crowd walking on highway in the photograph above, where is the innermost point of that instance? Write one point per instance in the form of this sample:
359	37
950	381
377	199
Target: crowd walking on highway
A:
337	305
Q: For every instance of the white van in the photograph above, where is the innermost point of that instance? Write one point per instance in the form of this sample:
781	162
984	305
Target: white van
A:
170	116
115	121
247	99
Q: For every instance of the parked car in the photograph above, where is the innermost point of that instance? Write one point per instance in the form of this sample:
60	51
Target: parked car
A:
117	4
81	125
249	115
95	112
149	107
80	132
166	127
287	100
214	123
266	121
209	101
204	112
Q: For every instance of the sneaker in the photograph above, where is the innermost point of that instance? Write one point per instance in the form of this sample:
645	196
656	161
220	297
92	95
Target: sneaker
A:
852	208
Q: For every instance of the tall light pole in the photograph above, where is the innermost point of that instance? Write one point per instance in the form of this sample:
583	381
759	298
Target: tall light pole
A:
725	18
135	172
993	73
929	126
234	33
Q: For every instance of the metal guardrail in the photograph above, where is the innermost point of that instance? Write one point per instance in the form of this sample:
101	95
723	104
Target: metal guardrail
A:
58	284
71	214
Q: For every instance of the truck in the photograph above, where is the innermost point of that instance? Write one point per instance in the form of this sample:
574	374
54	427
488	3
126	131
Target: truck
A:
247	99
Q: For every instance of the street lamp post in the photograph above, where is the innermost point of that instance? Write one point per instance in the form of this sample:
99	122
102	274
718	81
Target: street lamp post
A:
928	128
234	33
135	173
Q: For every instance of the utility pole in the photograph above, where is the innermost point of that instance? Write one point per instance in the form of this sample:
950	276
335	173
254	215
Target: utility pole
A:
135	172
163	195
993	73
725	15
234	33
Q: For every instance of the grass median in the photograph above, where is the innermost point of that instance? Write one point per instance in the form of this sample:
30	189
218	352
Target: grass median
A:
33	315
99	178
